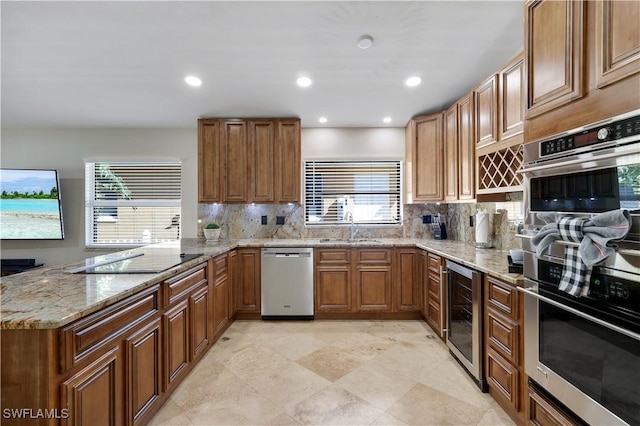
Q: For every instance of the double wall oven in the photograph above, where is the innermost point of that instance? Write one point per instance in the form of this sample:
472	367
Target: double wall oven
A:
585	351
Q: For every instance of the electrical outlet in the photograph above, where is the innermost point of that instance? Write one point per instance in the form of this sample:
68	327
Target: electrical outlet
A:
426	219
264	219
470	220
279	220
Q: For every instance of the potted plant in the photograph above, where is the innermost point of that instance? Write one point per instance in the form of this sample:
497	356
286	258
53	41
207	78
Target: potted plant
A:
211	231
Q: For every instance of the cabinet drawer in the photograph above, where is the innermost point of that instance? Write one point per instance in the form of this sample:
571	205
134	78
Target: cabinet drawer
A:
434	263
503	335
182	284
373	256
221	264
333	256
503	297
88	335
434	286
541	412
503	377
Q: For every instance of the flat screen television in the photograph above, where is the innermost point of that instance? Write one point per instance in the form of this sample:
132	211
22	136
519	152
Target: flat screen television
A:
30	207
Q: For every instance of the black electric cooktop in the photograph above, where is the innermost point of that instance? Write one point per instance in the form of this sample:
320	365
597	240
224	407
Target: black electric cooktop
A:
149	262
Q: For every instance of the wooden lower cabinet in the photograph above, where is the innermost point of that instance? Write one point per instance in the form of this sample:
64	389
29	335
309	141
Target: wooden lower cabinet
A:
504	347
373	288
367	282
176	342
332	280
408	288
232	262
247	281
199	325
221	293
93	396
144	371
435	298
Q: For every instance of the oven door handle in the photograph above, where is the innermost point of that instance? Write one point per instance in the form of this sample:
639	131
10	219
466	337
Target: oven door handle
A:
528	291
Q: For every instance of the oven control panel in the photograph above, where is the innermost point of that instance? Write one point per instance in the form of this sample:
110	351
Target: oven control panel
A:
610	132
604	289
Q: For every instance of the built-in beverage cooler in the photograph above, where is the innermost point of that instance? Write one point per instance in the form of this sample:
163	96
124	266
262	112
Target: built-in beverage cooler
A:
464	319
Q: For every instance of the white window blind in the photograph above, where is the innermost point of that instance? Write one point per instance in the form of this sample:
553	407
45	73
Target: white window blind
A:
367	192
132	203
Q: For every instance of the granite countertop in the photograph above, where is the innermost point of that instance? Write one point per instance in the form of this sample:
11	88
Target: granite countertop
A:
52	297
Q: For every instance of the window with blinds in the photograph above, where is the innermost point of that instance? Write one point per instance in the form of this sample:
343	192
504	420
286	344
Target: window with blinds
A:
367	192
132	203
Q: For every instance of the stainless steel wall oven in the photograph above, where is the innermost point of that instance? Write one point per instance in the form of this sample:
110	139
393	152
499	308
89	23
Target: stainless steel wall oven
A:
585	351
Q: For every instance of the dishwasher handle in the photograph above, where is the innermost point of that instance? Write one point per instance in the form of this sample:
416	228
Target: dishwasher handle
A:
287	255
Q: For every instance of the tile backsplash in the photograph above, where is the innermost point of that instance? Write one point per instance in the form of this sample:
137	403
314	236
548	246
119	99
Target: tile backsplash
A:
245	221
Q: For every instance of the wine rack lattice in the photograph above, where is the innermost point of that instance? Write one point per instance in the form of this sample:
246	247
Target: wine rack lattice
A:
498	169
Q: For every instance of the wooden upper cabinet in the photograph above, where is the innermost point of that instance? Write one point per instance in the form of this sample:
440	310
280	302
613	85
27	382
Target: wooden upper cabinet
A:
617	40
208	166
510	100
486	111
554	46
288	161
466	149
459	150
247	161
451	153
424	149
233	156
262	170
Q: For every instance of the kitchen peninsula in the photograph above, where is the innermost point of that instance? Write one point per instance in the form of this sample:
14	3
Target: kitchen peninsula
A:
98	346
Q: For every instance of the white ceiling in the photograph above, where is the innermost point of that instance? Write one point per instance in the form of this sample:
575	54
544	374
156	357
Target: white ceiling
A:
122	64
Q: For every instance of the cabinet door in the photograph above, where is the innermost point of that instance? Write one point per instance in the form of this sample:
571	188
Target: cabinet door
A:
408	296
466	149
553	47
248	282
510	102
199	320
176	342
94	395
428	176
373	288
144	371
504	378
234	156
451	153
333	288
486	112
424	266
617	40
288	185
262	154
208	161
232	266
221	304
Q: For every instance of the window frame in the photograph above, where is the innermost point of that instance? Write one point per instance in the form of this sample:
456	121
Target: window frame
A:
400	194
90	203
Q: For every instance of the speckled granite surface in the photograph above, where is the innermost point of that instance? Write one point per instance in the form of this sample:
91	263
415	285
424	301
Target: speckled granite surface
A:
52	297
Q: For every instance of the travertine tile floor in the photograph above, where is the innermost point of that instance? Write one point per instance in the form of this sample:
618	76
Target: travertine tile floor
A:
329	373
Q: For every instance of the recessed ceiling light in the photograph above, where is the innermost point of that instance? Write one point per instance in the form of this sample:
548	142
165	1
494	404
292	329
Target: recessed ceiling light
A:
322	120
365	41
413	81
304	81
387	120
192	80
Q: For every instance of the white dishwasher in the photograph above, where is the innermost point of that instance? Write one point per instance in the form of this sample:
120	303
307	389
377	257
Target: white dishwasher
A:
287	283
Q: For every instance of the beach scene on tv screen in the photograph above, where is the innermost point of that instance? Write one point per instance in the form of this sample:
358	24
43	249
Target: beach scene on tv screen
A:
29	205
